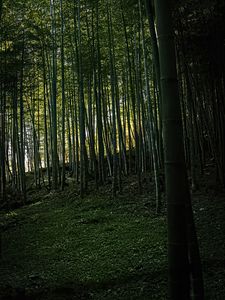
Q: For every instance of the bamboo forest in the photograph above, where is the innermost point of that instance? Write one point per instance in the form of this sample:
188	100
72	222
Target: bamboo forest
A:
112	149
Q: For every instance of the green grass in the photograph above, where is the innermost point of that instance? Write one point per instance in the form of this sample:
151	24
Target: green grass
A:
63	247
95	248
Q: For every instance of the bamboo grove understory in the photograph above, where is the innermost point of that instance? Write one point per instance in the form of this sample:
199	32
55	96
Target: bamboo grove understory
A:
89	91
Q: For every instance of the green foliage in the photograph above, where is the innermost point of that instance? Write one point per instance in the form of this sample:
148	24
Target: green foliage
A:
107	249
61	247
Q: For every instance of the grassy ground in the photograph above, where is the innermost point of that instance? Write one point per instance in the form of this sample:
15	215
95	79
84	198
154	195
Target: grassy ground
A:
62	247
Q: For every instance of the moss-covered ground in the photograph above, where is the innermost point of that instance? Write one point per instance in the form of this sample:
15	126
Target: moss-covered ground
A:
64	247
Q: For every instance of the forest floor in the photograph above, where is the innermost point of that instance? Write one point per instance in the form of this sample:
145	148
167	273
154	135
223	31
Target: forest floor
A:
63	247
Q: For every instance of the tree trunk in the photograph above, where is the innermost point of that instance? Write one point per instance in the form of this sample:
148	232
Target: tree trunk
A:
175	169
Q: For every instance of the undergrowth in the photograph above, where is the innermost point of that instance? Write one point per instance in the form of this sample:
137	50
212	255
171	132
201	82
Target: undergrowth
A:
64	247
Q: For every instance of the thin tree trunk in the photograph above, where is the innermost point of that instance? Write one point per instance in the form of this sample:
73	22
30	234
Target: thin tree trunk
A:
63	95
54	102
